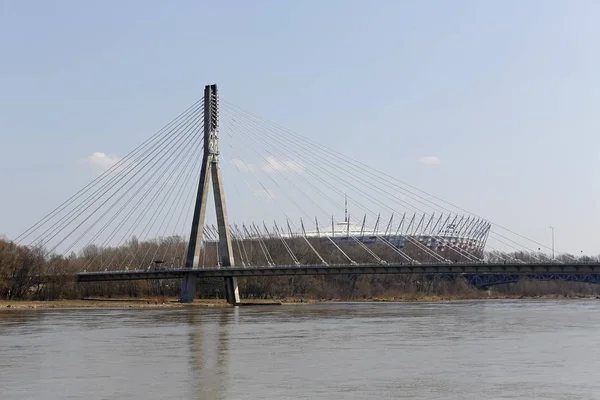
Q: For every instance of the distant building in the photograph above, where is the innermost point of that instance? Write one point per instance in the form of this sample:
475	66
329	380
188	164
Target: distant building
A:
437	232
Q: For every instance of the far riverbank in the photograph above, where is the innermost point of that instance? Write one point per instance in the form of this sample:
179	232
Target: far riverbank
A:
172	303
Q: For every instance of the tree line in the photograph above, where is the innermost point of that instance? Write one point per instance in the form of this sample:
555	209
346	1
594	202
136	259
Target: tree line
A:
22	267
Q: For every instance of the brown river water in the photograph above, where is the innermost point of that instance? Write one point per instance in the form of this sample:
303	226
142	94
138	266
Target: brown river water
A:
454	350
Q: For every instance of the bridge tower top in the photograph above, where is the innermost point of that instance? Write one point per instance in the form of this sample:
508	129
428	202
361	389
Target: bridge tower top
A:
211	122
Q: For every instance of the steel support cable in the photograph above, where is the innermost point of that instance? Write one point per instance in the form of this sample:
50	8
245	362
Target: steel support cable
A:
241	242
105	189
234	244
301	144
188	211
440	257
329	172
233	228
187	183
139	219
270	163
190	157
127	216
237	242
177	143
132	228
262	238
514	258
287	248
367	169
458	251
375	256
302	192
270	196
175	205
309	198
185	145
250	187
249	144
341	251
101	177
314	250
126	219
251	237
251	171
318	178
186	208
333	202
80	209
139	189
396	250
152	180
261	244
240	234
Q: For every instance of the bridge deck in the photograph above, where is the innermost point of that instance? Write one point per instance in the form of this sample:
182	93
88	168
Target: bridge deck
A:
346	269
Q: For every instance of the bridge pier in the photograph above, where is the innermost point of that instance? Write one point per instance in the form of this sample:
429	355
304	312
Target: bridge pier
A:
232	291
188	288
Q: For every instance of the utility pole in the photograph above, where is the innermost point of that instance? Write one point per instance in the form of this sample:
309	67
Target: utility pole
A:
552	228
210	169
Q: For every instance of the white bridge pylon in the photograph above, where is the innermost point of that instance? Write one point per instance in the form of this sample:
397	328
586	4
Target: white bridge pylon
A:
210	170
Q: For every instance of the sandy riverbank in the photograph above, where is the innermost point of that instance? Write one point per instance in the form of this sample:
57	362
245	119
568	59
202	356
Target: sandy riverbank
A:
108	303
158	303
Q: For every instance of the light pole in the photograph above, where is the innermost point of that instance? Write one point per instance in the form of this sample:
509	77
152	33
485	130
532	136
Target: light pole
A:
552	228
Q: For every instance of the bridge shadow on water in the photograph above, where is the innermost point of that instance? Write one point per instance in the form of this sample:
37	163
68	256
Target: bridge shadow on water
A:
209	339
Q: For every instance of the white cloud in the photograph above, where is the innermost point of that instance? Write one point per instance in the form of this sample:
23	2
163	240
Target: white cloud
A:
275	165
101	162
271	165
430	160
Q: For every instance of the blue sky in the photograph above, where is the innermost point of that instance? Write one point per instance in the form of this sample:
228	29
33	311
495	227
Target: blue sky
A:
503	93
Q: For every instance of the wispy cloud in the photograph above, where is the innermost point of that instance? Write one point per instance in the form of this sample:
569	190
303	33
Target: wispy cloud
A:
270	165
430	160
274	165
101	162
265	194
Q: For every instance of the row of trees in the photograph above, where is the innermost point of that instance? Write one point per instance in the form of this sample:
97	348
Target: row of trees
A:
22	269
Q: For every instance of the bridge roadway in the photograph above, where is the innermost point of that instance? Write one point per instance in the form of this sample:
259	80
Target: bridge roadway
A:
554	268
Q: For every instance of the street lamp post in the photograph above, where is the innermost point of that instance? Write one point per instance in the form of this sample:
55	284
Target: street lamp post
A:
552	228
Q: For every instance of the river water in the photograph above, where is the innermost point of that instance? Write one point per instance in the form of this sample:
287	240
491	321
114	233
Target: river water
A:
454	350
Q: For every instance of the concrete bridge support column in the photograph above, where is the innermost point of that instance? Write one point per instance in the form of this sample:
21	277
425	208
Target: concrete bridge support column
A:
188	288
232	292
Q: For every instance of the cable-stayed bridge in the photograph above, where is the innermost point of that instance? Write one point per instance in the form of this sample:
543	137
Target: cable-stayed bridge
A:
299	208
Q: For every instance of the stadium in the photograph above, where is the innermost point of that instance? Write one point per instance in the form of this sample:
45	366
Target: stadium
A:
420	236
